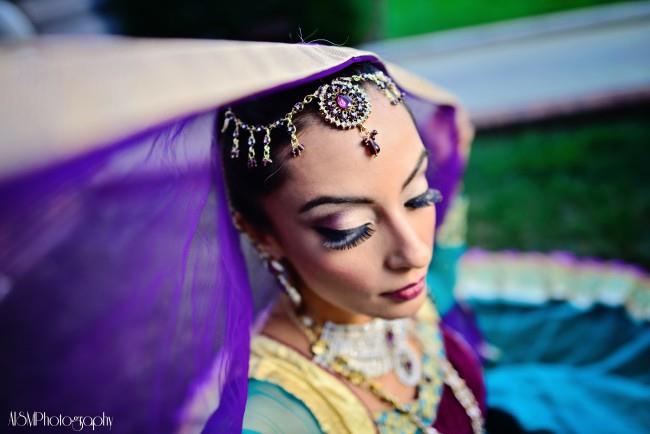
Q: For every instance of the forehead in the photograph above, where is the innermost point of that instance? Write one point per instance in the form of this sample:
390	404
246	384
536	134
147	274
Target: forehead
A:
335	162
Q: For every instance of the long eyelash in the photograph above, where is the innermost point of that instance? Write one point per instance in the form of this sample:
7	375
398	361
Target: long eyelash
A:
336	239
428	198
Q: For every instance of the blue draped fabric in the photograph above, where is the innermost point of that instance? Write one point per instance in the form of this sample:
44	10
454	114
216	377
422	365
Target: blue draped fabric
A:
566	341
568	370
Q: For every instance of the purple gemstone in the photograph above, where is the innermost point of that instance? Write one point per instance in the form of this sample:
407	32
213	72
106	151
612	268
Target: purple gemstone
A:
343	101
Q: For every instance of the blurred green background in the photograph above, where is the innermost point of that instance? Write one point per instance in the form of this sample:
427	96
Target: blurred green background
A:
412	17
580	184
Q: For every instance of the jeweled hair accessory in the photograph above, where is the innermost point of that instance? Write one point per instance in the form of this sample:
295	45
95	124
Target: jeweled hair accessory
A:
343	103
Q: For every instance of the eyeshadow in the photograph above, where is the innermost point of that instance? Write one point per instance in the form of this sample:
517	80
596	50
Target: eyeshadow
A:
334	221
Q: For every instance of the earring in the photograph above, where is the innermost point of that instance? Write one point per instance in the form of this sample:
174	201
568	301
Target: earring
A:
274	266
280	272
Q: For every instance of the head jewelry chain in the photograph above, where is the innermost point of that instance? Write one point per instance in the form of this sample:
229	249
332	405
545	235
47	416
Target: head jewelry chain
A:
342	103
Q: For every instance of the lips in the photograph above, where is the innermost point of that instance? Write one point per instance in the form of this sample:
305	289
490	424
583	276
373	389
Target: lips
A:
407	292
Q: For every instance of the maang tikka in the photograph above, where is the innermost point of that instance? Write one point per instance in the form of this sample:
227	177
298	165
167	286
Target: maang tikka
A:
343	103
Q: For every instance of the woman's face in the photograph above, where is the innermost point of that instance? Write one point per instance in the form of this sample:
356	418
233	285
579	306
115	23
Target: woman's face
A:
357	230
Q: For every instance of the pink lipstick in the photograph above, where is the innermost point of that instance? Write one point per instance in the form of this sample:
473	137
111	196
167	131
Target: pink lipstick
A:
407	292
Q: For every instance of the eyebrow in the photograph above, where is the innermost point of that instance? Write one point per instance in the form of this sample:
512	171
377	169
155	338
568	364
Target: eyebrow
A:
359	200
421	160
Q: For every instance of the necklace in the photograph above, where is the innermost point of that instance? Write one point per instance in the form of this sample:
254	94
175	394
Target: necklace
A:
341	365
374	348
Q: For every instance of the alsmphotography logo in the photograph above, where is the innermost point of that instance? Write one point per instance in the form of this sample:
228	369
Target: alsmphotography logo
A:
40	419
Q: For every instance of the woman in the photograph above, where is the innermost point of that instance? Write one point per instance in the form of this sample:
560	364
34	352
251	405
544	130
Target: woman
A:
123	280
347	224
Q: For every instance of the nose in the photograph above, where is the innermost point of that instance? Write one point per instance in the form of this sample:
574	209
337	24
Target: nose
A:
410	246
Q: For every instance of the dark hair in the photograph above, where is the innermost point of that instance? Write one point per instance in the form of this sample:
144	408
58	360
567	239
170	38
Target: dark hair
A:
246	186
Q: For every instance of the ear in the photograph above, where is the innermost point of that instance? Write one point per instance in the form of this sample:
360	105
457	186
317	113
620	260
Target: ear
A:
263	240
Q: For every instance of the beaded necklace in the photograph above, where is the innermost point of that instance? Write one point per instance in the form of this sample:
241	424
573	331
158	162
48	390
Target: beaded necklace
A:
341	365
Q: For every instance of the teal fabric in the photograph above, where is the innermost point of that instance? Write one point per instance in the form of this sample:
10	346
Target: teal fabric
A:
568	370
441	276
272	410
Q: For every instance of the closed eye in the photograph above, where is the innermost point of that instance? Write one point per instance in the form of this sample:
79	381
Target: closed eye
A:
428	198
342	239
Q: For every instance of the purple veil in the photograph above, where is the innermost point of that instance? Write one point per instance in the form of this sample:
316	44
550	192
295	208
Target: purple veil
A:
124	287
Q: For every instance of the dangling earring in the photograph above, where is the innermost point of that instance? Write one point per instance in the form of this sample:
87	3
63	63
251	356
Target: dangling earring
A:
280	272
274	266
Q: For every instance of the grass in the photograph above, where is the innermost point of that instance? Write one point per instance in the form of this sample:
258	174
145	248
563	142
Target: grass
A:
581	186
412	17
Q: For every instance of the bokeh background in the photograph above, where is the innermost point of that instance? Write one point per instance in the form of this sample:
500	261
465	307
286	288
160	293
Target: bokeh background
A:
559	92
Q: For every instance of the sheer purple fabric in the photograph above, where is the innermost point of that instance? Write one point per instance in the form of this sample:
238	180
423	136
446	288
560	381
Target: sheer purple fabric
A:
123	287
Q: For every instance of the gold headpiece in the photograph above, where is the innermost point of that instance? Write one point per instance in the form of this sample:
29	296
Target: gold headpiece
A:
342	103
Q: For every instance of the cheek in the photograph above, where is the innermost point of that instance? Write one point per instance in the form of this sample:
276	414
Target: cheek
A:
352	271
426	225
334	274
